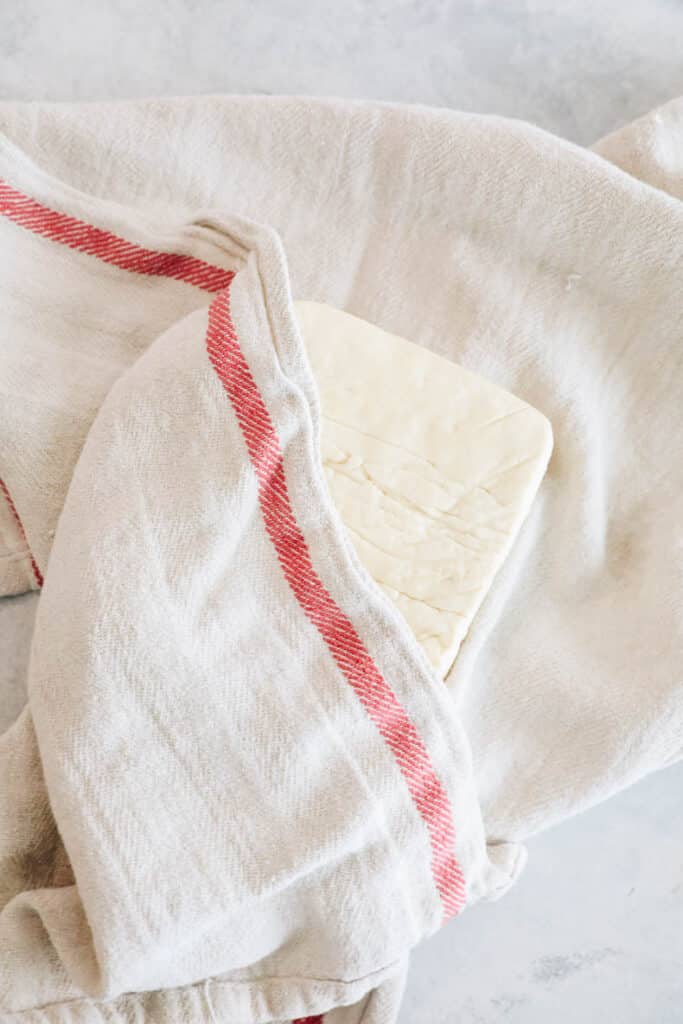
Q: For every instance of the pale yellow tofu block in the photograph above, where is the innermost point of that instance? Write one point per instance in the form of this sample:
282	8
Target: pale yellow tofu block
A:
432	469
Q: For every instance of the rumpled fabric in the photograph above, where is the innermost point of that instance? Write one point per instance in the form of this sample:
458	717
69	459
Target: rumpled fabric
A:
237	791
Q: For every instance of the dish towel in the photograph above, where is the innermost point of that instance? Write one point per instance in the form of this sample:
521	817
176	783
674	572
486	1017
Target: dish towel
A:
238	792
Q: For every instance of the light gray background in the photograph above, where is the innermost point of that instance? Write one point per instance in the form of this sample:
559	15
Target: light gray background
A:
594	928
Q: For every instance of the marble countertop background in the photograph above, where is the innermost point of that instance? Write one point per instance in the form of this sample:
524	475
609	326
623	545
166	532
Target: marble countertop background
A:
594	929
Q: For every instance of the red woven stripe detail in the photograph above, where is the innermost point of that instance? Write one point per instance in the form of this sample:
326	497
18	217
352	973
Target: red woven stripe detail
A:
379	701
77	234
344	643
37	575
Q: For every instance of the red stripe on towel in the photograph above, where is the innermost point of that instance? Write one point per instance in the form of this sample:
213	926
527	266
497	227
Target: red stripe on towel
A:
77	234
37	575
346	647
381	704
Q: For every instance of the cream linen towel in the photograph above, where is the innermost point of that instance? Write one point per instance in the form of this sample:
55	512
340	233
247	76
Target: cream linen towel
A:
542	266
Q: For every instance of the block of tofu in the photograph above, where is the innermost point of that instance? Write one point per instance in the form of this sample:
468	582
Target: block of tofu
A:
432	469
